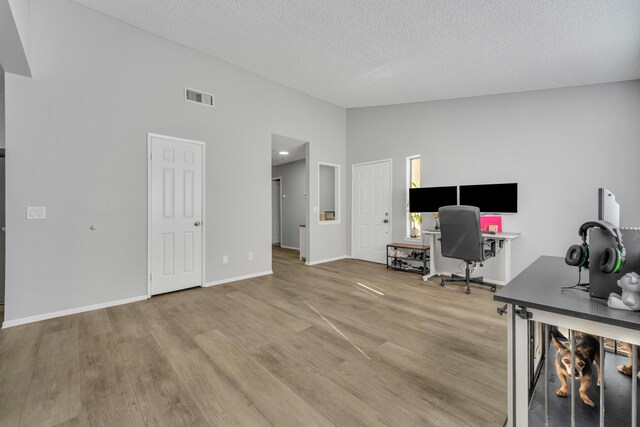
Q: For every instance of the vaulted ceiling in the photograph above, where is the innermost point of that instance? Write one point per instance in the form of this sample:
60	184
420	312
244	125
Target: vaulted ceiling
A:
294	148
374	52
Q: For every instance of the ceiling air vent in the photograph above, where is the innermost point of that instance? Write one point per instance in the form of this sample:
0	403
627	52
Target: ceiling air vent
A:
198	97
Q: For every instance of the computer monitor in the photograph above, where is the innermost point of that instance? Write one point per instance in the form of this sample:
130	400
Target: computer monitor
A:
608	208
491	198
430	199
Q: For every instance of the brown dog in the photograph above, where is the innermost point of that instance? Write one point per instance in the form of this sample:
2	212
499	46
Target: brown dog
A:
628	369
587	352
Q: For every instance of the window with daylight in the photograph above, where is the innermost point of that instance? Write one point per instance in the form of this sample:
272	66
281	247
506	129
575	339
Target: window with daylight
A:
414	221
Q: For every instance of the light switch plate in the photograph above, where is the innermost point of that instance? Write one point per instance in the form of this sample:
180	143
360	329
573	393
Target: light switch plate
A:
36	212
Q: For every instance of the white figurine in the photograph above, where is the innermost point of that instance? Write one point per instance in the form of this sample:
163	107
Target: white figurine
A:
630	299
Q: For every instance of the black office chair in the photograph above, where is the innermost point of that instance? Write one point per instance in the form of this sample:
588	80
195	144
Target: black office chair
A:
462	239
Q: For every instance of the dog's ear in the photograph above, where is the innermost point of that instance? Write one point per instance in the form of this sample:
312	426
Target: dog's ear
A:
585	351
557	343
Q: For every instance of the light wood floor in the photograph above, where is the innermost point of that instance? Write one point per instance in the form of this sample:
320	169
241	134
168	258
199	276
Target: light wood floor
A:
306	346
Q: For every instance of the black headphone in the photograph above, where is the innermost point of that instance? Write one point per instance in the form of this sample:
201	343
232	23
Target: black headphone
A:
611	260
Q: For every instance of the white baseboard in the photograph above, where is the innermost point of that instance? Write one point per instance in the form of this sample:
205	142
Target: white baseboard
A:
322	261
289	247
490	281
39	317
238	278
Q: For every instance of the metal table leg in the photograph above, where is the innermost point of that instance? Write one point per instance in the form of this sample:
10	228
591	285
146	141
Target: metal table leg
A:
634	384
546	374
601	371
572	338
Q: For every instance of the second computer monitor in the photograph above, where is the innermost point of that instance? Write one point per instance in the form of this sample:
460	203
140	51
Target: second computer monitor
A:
491	198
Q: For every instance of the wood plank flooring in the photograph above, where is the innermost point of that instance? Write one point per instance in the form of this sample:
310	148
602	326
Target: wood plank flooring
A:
306	346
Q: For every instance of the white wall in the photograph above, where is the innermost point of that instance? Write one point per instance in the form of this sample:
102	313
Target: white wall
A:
21	10
2	188
15	36
77	134
2	222
560	145
294	204
2	136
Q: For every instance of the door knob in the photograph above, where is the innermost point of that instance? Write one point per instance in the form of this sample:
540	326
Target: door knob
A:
197	224
386	221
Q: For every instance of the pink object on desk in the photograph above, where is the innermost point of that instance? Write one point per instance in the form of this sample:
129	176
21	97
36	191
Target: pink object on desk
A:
487	220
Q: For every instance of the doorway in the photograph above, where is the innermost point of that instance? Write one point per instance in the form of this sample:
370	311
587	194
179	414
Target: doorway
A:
2	235
276	210
290	180
176	213
371	210
2	196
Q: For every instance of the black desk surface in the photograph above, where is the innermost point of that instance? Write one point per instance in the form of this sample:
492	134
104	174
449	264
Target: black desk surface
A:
538	287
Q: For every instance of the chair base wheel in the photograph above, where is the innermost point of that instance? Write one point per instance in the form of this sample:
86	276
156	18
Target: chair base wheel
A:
467	291
442	283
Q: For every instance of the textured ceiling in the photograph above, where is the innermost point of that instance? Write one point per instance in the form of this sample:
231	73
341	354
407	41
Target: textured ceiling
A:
295	148
374	52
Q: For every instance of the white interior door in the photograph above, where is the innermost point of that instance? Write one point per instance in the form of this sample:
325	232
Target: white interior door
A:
371	209
275	211
176	214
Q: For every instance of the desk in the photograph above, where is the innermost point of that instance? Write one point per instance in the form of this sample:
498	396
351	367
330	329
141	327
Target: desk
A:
535	296
503	239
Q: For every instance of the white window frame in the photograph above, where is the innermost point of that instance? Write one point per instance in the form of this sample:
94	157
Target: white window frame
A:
407	181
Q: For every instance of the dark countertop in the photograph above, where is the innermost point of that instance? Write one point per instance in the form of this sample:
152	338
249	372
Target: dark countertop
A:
538	287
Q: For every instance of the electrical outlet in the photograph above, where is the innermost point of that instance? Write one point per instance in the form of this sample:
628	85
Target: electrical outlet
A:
36	212
250	256
225	259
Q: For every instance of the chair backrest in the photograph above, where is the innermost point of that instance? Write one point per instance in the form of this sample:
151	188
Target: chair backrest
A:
461	233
